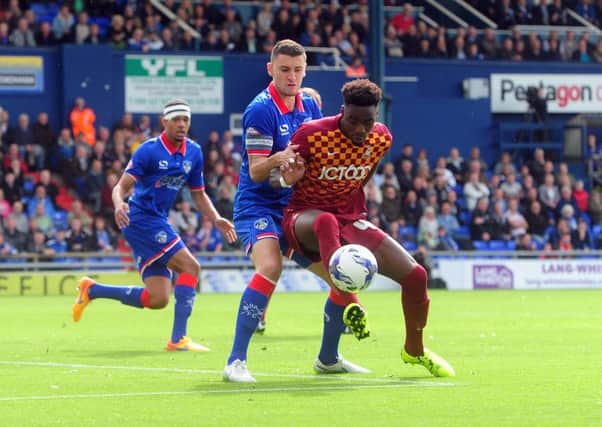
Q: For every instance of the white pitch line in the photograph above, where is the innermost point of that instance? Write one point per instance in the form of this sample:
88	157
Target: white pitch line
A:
230	391
349	378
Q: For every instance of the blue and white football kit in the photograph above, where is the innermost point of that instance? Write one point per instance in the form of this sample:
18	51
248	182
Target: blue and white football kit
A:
268	126
160	172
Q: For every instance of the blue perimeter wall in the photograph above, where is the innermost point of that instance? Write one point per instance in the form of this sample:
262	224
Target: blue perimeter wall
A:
428	111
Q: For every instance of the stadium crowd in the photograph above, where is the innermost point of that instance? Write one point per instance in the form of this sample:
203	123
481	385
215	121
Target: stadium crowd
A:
55	193
338	24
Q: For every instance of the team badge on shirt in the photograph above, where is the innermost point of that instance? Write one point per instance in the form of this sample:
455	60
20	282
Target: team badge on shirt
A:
187	165
261	224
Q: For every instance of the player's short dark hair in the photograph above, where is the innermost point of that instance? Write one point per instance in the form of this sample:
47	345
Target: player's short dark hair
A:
361	92
287	47
176	101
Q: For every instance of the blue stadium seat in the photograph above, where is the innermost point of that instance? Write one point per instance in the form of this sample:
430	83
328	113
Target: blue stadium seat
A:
410	246
596	230
59	218
481	245
497	245
463	232
584	216
511	245
408	233
465	217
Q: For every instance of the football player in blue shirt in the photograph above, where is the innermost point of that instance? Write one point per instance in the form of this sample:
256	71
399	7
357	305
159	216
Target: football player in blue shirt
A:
269	121
158	170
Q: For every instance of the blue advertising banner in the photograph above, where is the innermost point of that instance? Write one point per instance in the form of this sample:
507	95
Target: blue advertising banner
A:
21	74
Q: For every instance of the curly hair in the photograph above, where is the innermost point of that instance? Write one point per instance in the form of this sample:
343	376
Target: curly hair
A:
361	92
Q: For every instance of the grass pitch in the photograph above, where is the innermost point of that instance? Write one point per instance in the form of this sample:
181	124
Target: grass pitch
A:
521	358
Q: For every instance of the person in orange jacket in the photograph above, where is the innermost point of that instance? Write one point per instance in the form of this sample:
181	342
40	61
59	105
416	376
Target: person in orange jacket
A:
82	120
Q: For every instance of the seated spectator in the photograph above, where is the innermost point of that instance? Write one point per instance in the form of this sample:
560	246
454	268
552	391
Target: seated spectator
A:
40	198
404	20
499	227
474	190
356	69
17	238
95	37
581	238
22	36
445	242
412	211
37	245
525	243
567	213
45	37
480	226
78	212
184	218
224	204
103	238
95	180
505	165
6	247
441	169
58	243
581	196
78	239
391	203
556	14
516	220
5	39
537	221
427	228
448	220
456	164
549	194
43	221
209	236
191	240
62	25
511	188
594	209
566	198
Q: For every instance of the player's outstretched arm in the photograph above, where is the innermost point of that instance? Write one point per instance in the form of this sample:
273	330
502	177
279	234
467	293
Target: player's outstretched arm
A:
260	166
120	191
204	204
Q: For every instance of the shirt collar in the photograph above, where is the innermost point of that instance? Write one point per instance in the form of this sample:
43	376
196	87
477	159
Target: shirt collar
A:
171	149
282	108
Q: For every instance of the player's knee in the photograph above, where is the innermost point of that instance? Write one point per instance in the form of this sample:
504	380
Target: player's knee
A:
158	301
270	268
193	268
419	275
325	220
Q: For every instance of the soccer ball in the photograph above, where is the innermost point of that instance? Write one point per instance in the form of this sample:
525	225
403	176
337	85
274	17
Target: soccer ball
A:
352	268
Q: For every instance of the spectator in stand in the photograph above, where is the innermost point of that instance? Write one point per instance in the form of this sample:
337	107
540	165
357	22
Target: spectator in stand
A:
499	227
412	210
556	13
525	243
537	221
427	228
539	13
45	181
17	238
587	11
184	217
403	20
581	196
82	119
5	39
456	164
107	207
582	54
78	212
62	25
6	247
117	34
481	221
42	221
82	29
43	135
5	208
516	220
566	198
569	46
595	207
40	198
511	188
209	236
191	240
103	238
22	36
78	239
447	219
137	42
95	179
37	245
44	36
95	36
58	243
224	203
474	190
581	238
391	204
19	217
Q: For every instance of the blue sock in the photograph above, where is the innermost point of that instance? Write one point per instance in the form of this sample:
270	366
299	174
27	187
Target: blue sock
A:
333	328
183	308
252	305
128	295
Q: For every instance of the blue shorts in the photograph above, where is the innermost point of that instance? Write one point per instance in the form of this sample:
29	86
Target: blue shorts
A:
154	242
252	229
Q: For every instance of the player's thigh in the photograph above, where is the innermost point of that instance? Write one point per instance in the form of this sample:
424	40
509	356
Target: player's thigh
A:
393	260
184	262
304	229
267	258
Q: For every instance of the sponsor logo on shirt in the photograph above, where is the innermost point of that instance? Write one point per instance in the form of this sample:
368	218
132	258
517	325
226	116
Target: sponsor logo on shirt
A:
163	164
284	129
350	173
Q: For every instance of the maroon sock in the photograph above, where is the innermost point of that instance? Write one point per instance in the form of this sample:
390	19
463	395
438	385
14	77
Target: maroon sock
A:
327	229
415	303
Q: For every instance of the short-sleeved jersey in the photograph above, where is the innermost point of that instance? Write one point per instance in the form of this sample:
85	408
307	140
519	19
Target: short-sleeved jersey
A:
267	129
160	172
336	168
